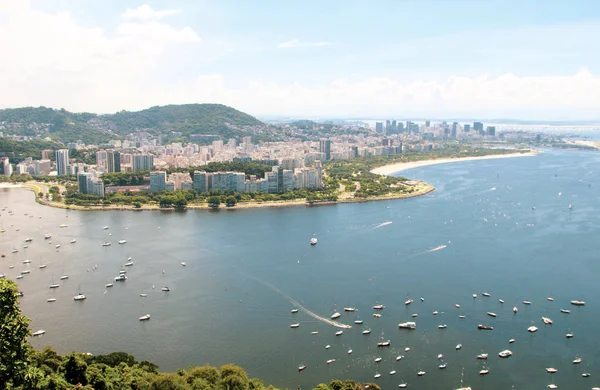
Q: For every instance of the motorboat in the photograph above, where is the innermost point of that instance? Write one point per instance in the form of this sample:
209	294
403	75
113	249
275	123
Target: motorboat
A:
551	370
484	371
386	343
489	313
73	241
527	302
486	294
29	239
105	228
458	346
378	359
378	307
421	373
183	263
443	326
15	250
440	356
443	365
376	315
57	246
350	352
570	335
393	372
367	331
335	315
506	353
26	261
55	285
294	326
25	246
377	376
120	278
143	295
457	306
128	264
294	310
47	236
106	243
301	368
42	266
313	241
51	300
330	361
122	241
501	300
565	311
482	356
403	385
145	317
406	349
408	301
550	299
484	327
435	313
414	315
511	341
407	325
62	225
515	310
38	333
166	288
64	277
577	360
586	374
327	346
547	320
358	322
474	296
532	329
314	333
578	303
350	309
339	332
552	386
19	276
399	357
422	299
25	272
79	297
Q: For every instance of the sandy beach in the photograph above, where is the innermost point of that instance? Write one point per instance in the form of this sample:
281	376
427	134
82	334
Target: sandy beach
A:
403	166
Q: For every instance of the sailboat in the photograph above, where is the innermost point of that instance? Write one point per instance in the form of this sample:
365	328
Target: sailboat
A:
79	296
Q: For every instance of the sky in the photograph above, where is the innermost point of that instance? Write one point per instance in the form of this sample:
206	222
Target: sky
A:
525	59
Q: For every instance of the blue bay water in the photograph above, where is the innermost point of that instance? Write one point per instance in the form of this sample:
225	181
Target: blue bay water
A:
505	229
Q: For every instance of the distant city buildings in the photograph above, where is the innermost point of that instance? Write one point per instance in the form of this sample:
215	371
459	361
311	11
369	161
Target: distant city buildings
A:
62	162
88	184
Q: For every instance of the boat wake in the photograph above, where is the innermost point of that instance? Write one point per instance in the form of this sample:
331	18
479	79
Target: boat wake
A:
437	248
299	306
383	224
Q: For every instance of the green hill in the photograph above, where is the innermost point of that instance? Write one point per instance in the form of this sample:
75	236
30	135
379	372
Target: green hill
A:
65	126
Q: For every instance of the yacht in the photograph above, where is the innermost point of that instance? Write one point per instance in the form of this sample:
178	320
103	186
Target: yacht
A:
406	349
377	376
108	285
414	315
301	368
47	236
79	297
578	303
51	300
386	343
358	322
393	372
489	313
435	313
408	301
474	296
443	326
403	385
443	365
335	315
25	272
547	320
294	310
399	357
105	228
511	341
367	331
15	250
55	285
378	359
166	288
458	346
42	266
313	241
485	327
122	241
506	353
486	294
330	361
350	309
64	277
29	239
551	370
407	325
128	264
440	356
38	333
457	306
378	307
73	241
143	295
120	278
19	276
106	243
501	300
421	373
550	299
145	317
482	356
294	326
586	374
327	346
515	310
57	246
484	371
26	261
183	263
565	311
570	335
552	386
532	329
339	332
527	302
577	360
350	352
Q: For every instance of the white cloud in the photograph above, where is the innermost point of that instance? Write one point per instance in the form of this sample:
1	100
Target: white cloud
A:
297	43
145	12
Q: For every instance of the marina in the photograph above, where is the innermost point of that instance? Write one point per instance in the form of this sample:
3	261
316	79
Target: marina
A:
228	282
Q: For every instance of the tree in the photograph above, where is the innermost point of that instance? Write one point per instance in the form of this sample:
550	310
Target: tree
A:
231	201
180	203
74	369
14	330
214	201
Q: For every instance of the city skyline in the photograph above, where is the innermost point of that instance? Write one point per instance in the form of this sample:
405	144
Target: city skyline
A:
453	59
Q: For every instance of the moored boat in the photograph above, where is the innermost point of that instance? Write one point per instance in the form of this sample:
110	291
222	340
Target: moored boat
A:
145	317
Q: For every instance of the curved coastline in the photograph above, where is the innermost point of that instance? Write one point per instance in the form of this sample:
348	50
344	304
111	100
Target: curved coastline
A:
390	169
422	189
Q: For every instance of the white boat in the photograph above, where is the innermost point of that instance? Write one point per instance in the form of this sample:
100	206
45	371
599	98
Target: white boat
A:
515	310
565	311
461	316
19	276
15	250
54	285
578	303
26	261
547	320
183	263
378	359
440	356
457	306
406	349
442	326
330	361
25	246
145	317
108	285
294	326
38	333
482	356
443	365
550	299
73	241
29	239
586	374
378	307
506	353
327	346
301	368
376	315
105	228
122	241
166	288
350	309
120	278
458	346
393	372
408	301
313	241
57	246
414	315
349	352
486	294
42	266
484	327
511	341
79	297
501	300
51	300
63	225
435	313
570	335
377	376
527	302
106	243
368	331
358	322
577	360
47	236
532	329
129	264
143	295
551	370
64	277
339	332
421	373
484	371
474	296
403	385
489	313
386	343
25	272
294	310
399	357
407	325
335	315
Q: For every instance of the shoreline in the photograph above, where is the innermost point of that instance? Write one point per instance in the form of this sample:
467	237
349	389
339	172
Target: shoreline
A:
390	169
422	189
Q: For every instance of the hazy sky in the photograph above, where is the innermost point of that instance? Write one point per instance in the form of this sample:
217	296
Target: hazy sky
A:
473	58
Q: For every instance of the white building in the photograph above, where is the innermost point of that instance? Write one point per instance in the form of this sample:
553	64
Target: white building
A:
62	161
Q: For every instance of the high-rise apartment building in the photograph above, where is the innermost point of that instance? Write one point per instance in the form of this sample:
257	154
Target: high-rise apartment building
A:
325	147
379	127
142	162
200	182
62	161
158	181
113	159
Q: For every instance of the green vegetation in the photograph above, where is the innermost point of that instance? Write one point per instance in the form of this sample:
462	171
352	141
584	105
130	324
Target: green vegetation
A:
18	151
91	128
24	368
